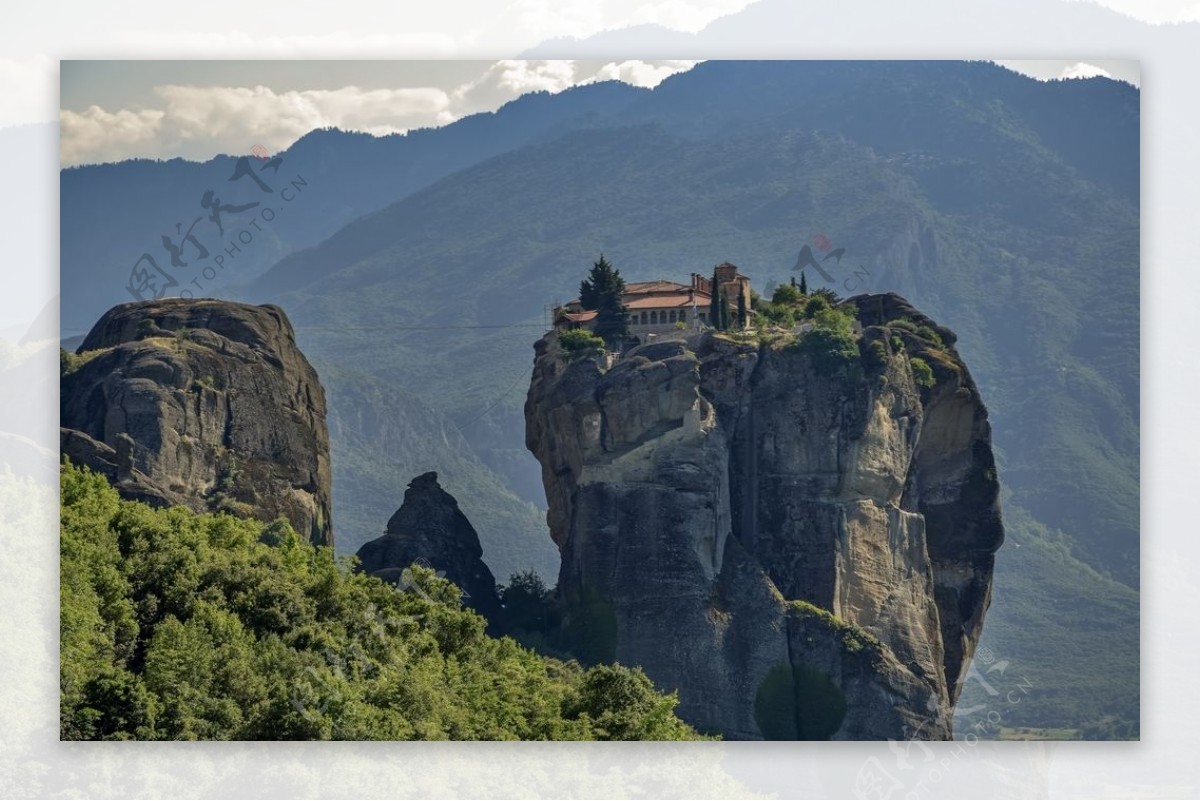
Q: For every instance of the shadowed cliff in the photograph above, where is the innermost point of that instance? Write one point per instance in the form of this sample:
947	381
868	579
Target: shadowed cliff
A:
430	529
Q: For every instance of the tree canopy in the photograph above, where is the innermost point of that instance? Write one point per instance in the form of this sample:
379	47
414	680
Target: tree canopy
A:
602	291
183	626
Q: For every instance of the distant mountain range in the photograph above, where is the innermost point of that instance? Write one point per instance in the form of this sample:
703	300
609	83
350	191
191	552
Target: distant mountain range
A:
113	213
1005	207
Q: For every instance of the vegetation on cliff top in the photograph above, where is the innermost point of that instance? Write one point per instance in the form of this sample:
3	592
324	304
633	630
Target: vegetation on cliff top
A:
854	638
579	343
183	626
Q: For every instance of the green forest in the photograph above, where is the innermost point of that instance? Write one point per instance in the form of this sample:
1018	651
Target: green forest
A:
183	626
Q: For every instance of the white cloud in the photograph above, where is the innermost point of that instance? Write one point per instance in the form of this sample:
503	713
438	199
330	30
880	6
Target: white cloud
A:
239	111
509	79
1082	69
99	135
641	73
199	122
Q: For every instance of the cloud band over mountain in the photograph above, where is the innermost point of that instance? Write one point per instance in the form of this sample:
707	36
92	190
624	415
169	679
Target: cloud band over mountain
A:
198	122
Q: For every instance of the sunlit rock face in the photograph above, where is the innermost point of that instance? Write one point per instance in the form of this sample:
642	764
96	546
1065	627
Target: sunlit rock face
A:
800	552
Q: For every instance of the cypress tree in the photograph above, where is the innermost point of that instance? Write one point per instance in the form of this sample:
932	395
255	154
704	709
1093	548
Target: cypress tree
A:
715	311
601	291
803	284
741	310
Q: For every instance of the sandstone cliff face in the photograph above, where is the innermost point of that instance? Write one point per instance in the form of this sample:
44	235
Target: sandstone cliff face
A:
431	530
205	404
798	553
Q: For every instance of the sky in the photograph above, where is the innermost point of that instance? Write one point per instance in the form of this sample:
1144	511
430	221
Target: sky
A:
111	110
114	110
196	109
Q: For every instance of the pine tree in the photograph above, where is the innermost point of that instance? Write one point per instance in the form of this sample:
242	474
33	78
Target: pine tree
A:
715	310
601	291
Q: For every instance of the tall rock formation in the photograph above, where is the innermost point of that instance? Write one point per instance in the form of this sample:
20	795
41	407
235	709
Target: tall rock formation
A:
431	530
802	551
205	404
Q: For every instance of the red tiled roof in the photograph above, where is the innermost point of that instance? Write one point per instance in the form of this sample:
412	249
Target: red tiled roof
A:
659	294
667	302
647	288
642	287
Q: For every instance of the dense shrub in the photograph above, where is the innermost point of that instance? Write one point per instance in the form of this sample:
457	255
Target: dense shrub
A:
621	704
875	354
786	294
838	320
68	362
922	372
777	314
580	342
830	350
527	603
815	305
183	626
923	331
832	343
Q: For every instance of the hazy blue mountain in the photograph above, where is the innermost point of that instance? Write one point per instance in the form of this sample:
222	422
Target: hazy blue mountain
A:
113	213
972	110
383	435
963	186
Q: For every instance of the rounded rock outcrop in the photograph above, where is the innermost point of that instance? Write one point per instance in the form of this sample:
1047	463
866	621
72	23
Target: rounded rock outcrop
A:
206	404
